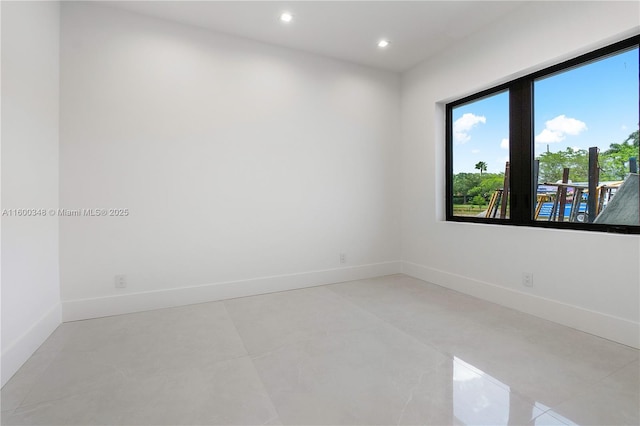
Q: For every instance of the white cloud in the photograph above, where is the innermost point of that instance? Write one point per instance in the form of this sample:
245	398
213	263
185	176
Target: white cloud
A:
567	125
504	144
558	128
549	136
464	124
475	151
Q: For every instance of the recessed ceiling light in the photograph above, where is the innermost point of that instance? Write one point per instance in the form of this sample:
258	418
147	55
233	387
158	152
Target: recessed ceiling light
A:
383	43
286	17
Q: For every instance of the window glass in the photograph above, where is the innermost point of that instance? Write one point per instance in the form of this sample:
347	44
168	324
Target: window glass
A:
480	157
557	148
592	106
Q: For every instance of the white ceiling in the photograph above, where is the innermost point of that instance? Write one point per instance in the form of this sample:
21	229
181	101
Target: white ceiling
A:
347	30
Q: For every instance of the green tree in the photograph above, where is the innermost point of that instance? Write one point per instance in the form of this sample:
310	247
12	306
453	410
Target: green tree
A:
487	186
482	166
462	184
478	200
553	163
614	161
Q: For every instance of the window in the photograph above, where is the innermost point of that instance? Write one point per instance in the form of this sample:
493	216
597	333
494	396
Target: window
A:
480	149
558	148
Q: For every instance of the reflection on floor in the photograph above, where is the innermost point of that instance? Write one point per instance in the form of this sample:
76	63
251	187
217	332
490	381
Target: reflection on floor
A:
479	398
390	350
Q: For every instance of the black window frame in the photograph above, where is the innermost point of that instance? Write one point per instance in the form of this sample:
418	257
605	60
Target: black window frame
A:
521	147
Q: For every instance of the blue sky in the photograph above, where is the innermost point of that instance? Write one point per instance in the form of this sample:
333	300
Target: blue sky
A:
592	105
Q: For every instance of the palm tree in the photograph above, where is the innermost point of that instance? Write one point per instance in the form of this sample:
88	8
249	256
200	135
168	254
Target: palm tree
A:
482	166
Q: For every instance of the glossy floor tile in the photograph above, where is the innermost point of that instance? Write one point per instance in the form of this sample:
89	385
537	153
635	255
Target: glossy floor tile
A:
270	321
390	350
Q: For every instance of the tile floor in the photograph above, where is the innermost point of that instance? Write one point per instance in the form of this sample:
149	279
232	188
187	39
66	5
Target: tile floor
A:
390	350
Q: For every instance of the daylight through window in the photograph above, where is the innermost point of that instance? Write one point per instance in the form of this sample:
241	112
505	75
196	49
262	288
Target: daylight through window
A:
558	148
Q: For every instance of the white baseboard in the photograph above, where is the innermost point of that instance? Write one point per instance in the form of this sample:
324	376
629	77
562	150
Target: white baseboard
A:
19	351
603	325
607	326
80	309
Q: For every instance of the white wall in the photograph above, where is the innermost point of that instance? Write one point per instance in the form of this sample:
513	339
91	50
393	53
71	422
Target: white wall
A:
585	280
30	88
240	163
248	168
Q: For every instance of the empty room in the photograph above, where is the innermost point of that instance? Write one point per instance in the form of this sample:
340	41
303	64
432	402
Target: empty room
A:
320	212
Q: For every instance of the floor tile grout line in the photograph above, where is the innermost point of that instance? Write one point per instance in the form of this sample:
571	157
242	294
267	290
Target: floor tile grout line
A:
621	368
36	405
546	320
351	305
315	334
445	289
429	345
72	395
244	345
57	353
235	328
549	412
590	387
310	337
36	379
377	321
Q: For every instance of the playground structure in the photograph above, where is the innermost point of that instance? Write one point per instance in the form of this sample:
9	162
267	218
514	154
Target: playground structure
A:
623	208
570	201
498	199
616	203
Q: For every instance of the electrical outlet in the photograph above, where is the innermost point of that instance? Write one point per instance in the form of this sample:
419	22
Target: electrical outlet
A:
527	279
121	281
343	258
